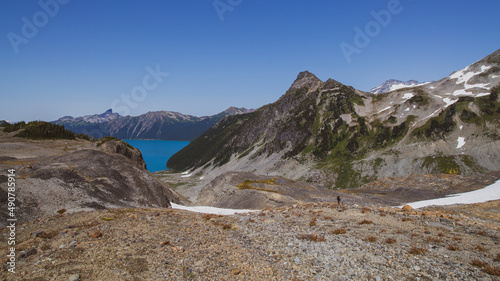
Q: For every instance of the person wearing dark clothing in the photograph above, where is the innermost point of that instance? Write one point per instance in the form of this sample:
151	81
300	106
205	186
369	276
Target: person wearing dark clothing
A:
338	200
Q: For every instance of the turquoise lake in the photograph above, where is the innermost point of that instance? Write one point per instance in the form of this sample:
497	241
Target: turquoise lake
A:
157	152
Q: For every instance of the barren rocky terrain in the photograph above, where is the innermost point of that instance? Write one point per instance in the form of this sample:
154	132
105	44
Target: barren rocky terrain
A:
74	175
300	242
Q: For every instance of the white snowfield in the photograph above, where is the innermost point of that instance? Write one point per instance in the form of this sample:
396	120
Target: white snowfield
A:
463	76
408	96
211	210
461	142
489	193
402	86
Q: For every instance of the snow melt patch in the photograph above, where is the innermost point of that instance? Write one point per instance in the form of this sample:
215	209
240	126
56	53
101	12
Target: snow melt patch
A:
461	142
402	86
479	85
384	109
449	102
482	95
489	193
184	173
211	210
430	115
186	176
463	76
399	86
408	96
462	93
485	67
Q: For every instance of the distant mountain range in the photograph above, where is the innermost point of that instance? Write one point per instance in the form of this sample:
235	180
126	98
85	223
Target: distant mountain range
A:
333	134
159	125
392	85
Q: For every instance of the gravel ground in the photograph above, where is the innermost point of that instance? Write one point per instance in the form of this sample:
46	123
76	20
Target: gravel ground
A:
301	242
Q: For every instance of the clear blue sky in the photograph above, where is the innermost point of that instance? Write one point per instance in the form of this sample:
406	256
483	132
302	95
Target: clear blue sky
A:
86	55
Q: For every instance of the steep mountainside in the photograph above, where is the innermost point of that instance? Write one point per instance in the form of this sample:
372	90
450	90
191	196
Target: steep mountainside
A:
392	85
163	125
333	134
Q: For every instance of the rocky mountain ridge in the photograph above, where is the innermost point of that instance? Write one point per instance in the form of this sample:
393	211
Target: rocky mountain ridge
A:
96	118
335	135
162	125
393	84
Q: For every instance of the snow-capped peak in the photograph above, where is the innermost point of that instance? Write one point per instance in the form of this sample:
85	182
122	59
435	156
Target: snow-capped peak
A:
392	85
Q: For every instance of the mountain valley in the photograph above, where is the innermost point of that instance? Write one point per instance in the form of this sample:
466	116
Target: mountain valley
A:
339	137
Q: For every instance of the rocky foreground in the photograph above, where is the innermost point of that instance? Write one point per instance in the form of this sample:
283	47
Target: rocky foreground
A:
302	242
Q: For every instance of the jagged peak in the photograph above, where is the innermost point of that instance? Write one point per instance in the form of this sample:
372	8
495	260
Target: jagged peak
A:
330	83
305	78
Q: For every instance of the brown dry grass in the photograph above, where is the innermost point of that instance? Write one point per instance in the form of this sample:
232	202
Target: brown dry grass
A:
417	251
210	216
390	240
312	237
480	248
365	222
433	240
492	270
371	239
339	231
497	257
365	210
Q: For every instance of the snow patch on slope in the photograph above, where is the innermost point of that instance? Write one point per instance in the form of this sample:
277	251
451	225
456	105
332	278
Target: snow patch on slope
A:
408	96
489	193
211	210
461	142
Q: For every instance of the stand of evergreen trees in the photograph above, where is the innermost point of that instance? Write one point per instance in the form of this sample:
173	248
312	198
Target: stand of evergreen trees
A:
41	130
